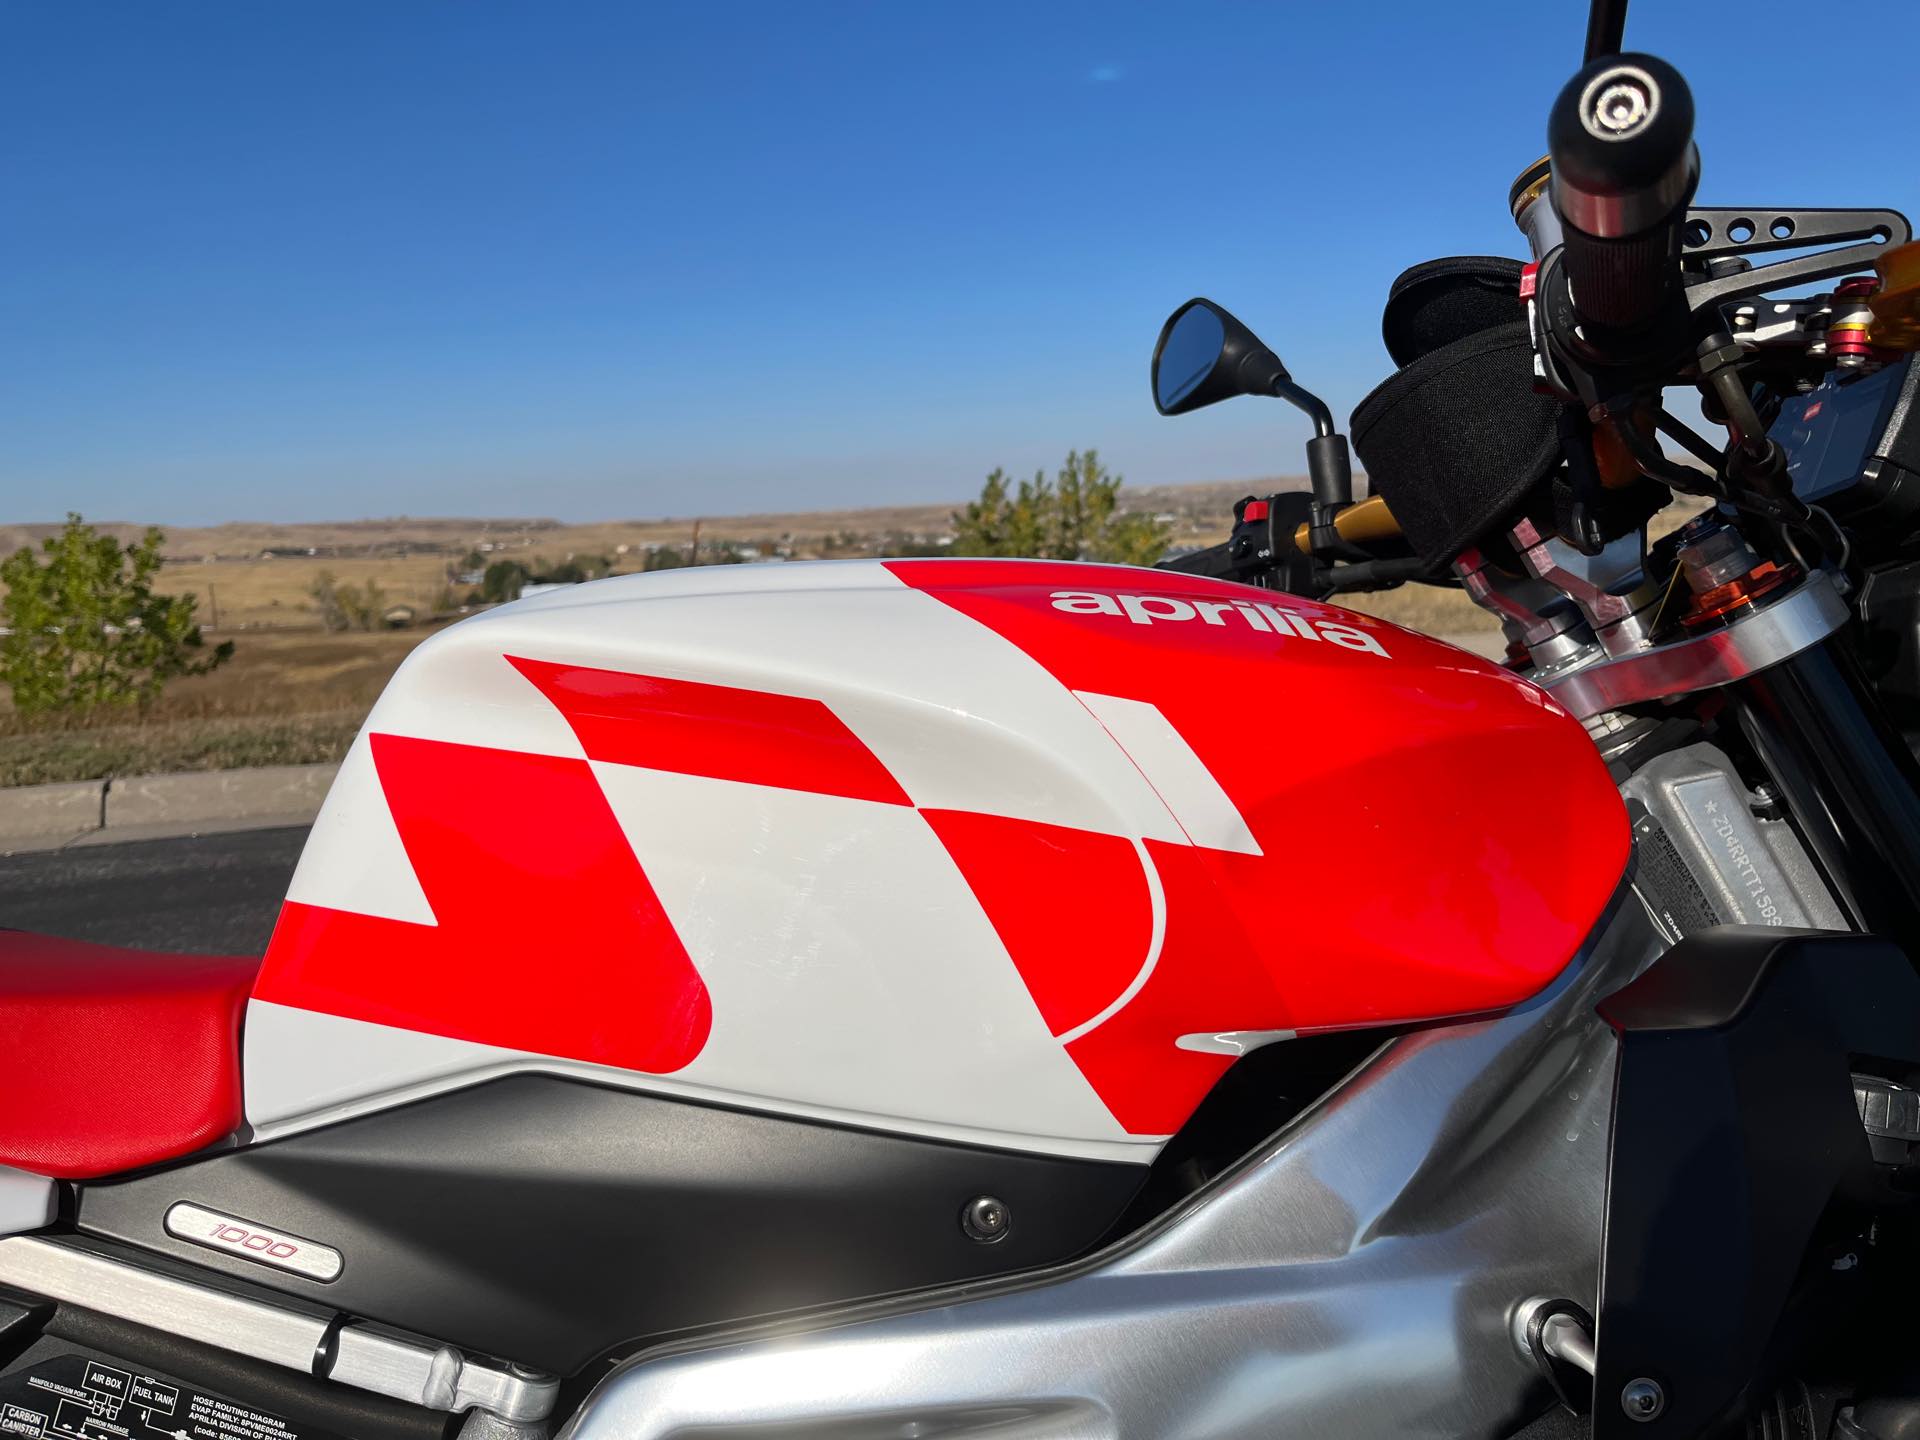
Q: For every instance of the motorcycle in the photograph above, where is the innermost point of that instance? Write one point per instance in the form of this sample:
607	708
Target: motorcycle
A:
1018	998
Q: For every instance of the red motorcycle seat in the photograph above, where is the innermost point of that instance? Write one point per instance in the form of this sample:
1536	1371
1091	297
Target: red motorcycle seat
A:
112	1059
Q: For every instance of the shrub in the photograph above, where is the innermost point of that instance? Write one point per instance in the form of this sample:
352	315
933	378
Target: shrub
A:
85	627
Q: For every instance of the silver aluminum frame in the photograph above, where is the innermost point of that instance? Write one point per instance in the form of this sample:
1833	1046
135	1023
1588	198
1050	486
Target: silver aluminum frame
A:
1356	1277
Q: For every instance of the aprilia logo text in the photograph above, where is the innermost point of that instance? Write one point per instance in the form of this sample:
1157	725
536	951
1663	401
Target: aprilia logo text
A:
1252	614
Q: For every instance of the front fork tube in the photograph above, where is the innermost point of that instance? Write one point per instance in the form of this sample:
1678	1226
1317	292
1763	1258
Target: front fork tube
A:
1848	780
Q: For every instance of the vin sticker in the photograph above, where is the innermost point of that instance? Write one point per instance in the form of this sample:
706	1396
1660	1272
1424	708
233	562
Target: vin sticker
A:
74	1396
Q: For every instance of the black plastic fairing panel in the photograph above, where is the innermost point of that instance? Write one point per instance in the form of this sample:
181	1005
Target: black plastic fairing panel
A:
1735	1131
547	1221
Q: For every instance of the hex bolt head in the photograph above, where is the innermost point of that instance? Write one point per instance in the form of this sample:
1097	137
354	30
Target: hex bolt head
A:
1643	1399
986	1219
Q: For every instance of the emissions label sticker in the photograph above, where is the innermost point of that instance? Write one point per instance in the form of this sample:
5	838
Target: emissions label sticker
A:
78	1397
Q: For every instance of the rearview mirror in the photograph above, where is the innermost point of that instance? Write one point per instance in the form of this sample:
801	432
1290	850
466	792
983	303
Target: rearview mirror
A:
1205	355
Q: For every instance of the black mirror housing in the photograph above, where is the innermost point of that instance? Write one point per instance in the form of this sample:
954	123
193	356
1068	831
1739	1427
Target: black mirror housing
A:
1204	355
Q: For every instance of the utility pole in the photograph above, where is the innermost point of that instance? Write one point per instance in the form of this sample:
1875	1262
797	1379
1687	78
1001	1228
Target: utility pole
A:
693	550
213	604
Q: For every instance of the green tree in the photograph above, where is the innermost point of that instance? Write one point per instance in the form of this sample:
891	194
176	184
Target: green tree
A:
503	580
369	607
573	570
84	627
1074	516
347	607
325	594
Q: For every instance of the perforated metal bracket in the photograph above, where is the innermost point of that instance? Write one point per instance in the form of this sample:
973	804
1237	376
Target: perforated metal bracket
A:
1710	234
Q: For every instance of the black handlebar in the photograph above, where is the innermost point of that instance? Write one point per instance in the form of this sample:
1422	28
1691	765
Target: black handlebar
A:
1624	169
1218	561
1606	24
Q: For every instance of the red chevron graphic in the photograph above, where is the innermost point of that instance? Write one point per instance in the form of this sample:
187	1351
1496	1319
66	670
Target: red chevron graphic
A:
550	938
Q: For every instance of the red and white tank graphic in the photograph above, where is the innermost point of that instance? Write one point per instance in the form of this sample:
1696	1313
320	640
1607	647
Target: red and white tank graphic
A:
1013	852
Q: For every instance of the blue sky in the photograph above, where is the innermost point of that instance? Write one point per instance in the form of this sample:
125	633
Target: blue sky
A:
306	261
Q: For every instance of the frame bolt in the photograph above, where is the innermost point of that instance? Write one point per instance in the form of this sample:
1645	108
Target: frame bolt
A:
1643	1399
986	1219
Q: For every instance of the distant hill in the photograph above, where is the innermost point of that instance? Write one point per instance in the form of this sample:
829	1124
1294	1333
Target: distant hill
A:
1199	513
253	576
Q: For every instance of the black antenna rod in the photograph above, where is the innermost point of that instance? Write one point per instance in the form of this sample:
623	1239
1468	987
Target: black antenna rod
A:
1606	28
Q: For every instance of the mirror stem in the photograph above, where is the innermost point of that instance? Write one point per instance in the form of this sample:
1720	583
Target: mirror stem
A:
1329	466
1305	400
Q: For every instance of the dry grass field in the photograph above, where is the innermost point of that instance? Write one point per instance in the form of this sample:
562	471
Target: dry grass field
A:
294	694
284	699
250	577
257	576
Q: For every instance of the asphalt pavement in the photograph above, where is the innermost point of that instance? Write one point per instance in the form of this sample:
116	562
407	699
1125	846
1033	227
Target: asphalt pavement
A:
216	894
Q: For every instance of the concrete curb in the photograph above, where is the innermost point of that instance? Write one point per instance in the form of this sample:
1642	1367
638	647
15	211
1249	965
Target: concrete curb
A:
150	807
39	817
212	795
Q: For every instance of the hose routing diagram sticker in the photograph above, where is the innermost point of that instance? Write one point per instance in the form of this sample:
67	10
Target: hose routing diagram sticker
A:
77	1396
